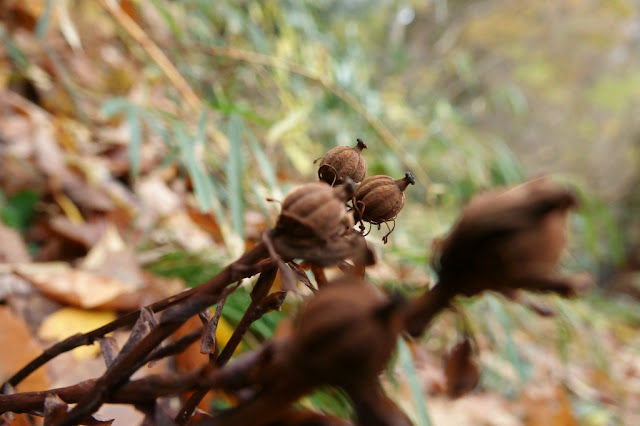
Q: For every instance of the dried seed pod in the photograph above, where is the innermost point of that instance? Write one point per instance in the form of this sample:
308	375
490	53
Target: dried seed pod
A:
342	162
315	211
346	333
379	199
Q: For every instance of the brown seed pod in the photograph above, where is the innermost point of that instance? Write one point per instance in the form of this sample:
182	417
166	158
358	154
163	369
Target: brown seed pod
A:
379	199
315	211
342	162
346	333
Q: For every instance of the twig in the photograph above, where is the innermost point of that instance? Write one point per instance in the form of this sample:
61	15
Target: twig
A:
134	30
89	338
253	313
207	294
245	371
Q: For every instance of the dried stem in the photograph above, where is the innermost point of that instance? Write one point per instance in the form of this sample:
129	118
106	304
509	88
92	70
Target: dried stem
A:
240	374
422	310
253	313
89	338
205	295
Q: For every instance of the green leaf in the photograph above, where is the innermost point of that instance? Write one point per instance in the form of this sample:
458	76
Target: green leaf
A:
419	398
18	211
114	106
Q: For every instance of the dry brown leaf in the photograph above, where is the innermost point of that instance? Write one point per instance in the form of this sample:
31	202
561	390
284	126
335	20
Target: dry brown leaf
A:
181	229
12	246
18	347
87	234
191	358
72	286
14	419
112	257
549	408
156	195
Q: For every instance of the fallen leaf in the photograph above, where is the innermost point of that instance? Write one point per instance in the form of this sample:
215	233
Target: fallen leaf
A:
12	246
69	321
112	257
18	347
460	369
548	406
155	194
73	286
87	234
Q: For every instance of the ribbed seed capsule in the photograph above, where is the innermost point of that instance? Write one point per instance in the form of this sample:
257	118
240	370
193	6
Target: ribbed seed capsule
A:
315	210
379	199
342	162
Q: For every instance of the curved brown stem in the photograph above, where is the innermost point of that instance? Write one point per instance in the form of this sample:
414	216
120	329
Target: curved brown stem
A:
205	295
422	310
253	313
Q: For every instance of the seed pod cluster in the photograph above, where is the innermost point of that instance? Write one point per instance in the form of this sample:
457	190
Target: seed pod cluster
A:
316	211
346	333
343	162
380	198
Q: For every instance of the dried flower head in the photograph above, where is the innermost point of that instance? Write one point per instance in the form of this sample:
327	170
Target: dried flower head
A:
379	199
508	238
315	225
343	162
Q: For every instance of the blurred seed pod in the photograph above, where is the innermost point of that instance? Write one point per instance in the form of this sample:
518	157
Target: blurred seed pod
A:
343	162
346	333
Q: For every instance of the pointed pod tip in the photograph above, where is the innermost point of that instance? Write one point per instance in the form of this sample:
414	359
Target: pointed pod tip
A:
361	145
409	176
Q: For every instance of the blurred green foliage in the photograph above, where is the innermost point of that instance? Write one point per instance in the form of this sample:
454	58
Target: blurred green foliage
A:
18	211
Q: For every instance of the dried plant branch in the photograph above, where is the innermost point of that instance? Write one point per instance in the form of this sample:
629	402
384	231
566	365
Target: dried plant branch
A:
260	303
504	241
206	295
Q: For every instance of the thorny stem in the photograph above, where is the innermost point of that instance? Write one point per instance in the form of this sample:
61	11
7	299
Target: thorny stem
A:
253	313
235	376
205	295
89	338
208	345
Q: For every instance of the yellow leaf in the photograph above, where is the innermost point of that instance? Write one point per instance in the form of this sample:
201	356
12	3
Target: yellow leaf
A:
223	332
69	321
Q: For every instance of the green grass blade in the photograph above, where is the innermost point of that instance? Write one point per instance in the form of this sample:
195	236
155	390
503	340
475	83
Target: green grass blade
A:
419	398
135	141
510	350
202	188
235	172
43	21
264	164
